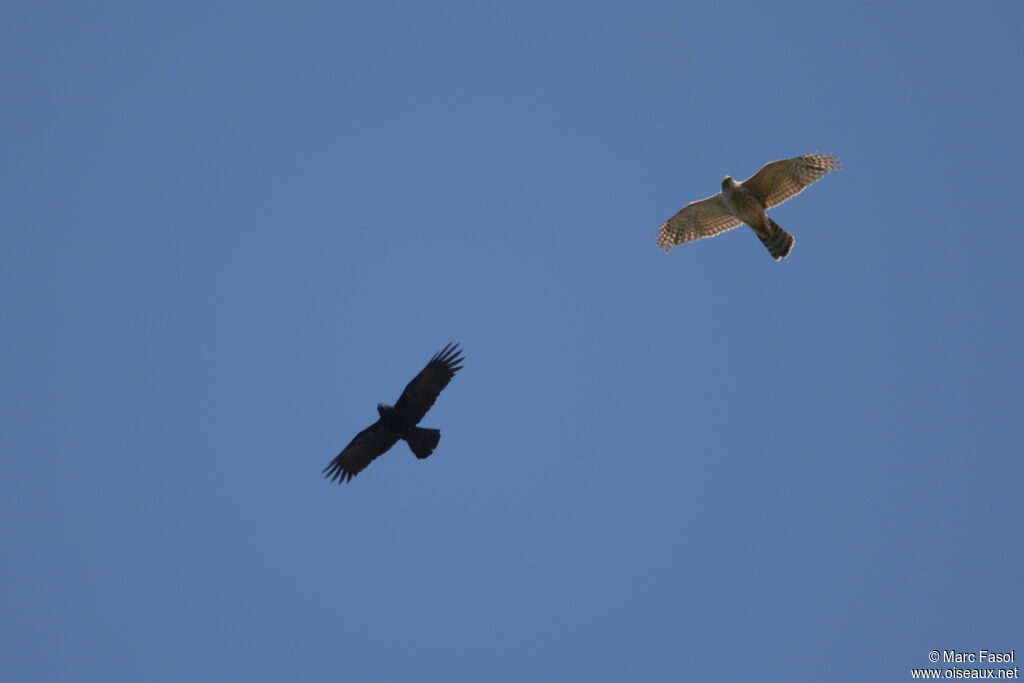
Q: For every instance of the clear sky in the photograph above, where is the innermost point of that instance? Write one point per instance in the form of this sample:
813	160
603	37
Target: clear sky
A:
229	229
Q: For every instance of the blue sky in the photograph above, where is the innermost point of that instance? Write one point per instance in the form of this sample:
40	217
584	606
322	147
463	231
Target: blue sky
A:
230	229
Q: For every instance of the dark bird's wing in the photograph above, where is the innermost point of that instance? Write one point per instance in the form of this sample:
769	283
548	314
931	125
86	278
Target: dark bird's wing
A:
781	180
423	390
373	441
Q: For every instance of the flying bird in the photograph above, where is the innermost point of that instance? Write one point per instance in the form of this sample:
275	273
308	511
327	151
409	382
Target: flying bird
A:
746	202
399	421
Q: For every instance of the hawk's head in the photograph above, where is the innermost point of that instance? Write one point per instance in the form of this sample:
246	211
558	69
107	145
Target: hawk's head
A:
728	182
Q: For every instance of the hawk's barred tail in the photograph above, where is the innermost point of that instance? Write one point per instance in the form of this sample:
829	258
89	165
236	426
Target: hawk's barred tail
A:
423	441
778	241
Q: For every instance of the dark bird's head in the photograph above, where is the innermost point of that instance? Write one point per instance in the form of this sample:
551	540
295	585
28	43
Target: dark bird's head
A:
727	181
383	409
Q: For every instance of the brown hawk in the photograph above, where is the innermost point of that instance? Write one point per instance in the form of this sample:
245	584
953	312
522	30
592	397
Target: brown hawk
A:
746	202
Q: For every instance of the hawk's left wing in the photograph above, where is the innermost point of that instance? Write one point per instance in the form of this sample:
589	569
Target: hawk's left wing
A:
369	444
696	220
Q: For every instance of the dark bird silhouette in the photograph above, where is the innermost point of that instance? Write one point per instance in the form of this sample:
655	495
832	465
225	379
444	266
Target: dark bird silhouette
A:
399	421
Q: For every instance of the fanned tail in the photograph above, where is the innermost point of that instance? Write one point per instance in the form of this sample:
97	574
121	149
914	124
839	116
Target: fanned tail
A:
778	241
423	441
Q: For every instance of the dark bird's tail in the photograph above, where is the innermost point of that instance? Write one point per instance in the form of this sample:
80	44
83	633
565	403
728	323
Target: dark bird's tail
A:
778	241
423	441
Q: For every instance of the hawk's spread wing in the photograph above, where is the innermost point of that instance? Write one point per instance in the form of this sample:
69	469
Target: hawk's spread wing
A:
373	441
424	388
695	221
780	180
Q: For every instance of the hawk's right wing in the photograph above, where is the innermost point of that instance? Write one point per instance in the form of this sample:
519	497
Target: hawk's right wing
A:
424	388
695	221
781	180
